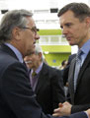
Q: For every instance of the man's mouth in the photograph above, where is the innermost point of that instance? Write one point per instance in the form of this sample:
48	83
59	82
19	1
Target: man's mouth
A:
28	62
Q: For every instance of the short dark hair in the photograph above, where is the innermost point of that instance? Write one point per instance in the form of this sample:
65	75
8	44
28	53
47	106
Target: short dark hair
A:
80	10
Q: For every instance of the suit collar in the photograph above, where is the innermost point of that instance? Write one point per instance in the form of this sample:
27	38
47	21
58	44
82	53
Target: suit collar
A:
84	66
72	67
44	69
7	50
39	68
71	75
42	78
71	79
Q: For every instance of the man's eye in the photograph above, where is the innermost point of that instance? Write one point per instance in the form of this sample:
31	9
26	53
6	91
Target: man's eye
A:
34	30
68	25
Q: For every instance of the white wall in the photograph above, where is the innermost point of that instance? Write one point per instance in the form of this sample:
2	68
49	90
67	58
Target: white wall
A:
36	4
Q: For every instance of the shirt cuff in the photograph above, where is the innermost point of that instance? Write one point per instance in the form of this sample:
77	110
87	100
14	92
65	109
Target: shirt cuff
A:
86	114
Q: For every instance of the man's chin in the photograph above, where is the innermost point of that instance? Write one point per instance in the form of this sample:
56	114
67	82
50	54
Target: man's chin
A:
70	43
30	51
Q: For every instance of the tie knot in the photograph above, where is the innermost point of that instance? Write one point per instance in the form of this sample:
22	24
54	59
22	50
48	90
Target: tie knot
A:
34	74
78	56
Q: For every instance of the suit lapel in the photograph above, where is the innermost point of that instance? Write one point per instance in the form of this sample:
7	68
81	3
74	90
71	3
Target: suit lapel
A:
7	50
71	80
71	76
84	66
41	79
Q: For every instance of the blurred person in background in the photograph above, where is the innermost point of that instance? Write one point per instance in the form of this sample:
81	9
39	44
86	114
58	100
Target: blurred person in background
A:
63	64
62	69
48	83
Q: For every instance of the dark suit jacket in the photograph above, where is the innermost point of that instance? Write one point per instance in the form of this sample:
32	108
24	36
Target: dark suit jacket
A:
65	71
49	89
17	99
81	98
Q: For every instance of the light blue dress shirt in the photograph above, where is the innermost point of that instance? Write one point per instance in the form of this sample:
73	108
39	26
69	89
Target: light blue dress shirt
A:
16	51
85	49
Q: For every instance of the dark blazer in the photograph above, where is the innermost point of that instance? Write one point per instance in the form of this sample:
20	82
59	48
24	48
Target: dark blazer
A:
17	99
49	89
65	71
81	98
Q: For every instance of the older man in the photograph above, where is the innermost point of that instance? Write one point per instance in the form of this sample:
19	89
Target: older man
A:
47	83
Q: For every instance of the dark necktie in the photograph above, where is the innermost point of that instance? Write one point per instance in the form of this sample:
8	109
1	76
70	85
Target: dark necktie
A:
77	67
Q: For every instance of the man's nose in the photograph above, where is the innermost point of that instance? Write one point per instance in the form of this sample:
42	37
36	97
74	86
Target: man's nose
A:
37	37
64	30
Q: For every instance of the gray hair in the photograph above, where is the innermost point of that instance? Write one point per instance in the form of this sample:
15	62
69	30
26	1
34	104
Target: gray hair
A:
80	10
12	19
38	50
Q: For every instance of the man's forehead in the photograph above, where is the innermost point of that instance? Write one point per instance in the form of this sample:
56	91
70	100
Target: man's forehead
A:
31	21
67	17
68	13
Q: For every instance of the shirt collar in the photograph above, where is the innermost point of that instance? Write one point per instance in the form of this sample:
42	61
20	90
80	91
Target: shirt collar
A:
86	47
38	69
16	51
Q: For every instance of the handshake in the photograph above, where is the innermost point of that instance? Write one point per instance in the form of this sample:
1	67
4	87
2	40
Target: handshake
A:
65	110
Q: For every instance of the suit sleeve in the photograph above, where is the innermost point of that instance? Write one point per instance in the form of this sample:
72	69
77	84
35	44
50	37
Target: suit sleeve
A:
57	88
18	95
77	115
78	108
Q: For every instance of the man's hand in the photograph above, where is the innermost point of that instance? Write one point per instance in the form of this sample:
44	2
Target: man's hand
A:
88	113
63	110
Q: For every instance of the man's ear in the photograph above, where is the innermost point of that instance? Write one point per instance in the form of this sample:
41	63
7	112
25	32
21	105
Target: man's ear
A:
16	33
88	21
40	55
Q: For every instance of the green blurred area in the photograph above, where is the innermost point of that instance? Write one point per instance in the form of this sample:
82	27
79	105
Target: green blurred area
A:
50	32
57	53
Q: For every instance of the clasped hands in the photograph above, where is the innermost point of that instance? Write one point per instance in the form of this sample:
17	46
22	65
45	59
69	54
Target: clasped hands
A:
63	110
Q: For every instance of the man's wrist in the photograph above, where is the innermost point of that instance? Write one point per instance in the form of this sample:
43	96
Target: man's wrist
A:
87	113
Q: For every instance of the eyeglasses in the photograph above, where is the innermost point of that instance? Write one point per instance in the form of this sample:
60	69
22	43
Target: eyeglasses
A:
33	29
